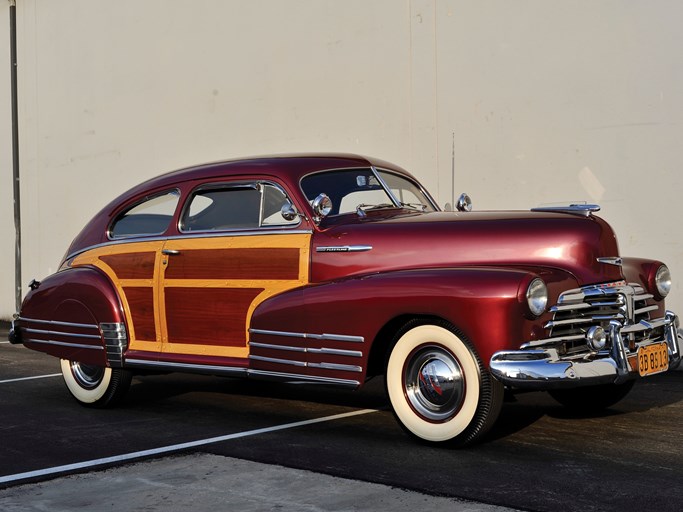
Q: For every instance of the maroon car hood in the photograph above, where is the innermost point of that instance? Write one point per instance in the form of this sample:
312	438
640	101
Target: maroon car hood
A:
442	239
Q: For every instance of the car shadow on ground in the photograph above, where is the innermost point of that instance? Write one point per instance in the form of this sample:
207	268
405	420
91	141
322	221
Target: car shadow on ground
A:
524	410
519	415
151	388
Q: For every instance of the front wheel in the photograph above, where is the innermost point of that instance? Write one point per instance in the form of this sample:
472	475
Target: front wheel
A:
95	386
438	387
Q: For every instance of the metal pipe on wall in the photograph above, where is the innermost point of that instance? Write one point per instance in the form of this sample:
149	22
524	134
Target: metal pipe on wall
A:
15	152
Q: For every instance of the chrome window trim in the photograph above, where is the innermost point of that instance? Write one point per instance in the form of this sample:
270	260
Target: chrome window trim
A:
237	185
393	198
328	337
194	234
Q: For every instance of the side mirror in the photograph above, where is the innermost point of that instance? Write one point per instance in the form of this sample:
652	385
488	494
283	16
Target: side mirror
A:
322	206
289	212
464	203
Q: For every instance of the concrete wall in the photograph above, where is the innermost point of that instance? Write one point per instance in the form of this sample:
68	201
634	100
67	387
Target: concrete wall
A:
7	240
542	101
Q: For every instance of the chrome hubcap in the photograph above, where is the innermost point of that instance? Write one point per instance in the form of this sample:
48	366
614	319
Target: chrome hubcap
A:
434	383
87	376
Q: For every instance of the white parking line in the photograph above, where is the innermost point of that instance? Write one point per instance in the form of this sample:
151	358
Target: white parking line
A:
175	447
30	378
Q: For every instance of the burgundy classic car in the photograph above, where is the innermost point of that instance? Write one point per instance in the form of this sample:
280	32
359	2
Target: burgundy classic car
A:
334	269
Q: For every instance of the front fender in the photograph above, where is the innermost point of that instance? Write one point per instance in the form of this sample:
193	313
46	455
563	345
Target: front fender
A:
486	304
74	314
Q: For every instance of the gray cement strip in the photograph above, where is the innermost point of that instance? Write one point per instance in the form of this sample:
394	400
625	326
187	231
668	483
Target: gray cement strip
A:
211	482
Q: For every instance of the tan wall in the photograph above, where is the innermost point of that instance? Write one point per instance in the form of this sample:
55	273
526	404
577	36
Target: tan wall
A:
546	102
7	240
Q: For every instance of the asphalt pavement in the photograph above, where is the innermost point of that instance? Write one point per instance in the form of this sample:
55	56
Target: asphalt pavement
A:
201	481
181	441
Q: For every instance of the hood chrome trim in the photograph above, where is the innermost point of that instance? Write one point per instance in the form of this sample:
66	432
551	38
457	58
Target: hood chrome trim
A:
344	248
612	260
575	209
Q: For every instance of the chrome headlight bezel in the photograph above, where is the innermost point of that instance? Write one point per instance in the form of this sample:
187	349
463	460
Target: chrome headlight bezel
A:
537	297
663	281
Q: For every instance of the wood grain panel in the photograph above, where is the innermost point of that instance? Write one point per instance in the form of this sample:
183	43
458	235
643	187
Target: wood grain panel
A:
260	263
208	316
137	265
141	303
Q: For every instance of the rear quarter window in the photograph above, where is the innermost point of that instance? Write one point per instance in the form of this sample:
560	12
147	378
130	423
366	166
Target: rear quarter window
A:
152	216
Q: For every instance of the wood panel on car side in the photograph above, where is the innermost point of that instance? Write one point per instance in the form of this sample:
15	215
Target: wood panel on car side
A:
210	286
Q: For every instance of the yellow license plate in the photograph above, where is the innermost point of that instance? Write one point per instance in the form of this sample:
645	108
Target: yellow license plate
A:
653	359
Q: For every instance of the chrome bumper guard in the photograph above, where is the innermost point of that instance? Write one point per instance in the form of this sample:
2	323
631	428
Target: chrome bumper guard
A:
13	335
545	369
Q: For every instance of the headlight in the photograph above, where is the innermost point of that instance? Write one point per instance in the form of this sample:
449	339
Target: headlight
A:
663	280
537	296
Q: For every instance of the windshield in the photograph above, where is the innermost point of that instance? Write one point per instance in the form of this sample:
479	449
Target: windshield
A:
365	189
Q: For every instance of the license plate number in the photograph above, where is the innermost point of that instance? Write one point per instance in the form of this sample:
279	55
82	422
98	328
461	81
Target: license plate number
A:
653	359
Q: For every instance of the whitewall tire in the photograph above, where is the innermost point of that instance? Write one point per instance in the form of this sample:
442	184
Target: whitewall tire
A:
95	386
438	387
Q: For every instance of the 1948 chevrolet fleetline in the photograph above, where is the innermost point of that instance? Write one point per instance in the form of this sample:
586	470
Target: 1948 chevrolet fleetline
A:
336	268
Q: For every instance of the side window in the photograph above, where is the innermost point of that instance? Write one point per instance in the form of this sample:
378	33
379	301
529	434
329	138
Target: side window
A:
150	217
223	208
235	207
273	201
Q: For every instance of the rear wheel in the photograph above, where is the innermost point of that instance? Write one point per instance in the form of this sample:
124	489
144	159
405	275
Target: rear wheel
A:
439	389
591	399
95	386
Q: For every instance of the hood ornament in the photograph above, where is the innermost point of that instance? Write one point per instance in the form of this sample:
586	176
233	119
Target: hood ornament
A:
574	208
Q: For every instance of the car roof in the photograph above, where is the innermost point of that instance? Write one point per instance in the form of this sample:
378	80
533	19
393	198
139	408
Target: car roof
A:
289	167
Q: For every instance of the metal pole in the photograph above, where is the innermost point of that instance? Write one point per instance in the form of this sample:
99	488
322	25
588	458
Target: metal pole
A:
15	151
453	173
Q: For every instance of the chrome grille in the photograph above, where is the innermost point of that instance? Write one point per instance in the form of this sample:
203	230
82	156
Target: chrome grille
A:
580	309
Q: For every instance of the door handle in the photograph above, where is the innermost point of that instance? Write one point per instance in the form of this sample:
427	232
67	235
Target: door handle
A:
170	252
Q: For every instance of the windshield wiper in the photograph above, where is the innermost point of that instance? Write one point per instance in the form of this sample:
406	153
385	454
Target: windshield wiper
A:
416	206
360	209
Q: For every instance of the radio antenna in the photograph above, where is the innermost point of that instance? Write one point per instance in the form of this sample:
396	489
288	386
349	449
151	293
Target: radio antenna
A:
453	172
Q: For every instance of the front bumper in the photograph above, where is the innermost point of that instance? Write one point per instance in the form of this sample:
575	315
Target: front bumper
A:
545	369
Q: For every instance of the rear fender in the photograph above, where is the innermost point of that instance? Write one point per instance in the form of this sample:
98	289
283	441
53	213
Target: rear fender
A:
75	314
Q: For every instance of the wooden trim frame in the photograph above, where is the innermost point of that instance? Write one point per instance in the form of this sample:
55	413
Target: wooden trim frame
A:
208	320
